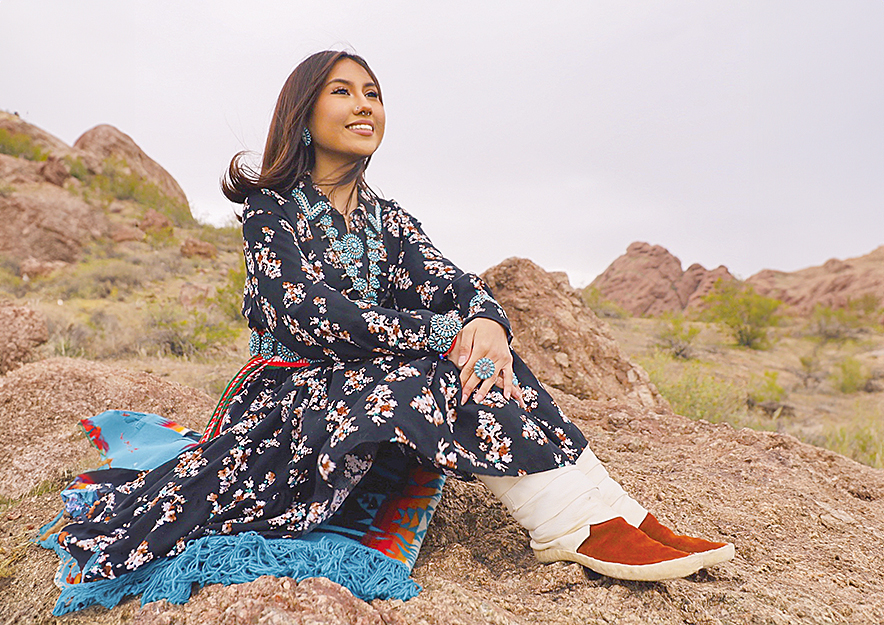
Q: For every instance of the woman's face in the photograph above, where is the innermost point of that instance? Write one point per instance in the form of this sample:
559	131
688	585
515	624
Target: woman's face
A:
347	122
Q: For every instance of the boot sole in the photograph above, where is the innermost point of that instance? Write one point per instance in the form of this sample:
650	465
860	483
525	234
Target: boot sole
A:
668	569
717	556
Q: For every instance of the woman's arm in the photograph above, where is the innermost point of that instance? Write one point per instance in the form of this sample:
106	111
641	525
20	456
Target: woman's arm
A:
425	278
290	298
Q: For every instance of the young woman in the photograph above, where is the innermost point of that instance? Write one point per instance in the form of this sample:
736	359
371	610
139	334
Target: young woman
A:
385	343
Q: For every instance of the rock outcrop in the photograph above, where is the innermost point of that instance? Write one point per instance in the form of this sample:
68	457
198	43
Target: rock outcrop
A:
21	331
47	223
106	142
834	283
648	280
562	340
43	402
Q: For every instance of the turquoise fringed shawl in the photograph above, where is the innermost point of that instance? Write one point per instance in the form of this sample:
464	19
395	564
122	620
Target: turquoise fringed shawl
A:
369	546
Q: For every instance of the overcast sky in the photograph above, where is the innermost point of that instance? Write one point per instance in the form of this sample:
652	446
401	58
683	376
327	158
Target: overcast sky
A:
746	133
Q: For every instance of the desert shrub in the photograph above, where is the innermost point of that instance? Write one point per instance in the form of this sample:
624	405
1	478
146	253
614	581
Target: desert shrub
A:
175	331
20	145
228	296
78	168
6	189
767	389
675	336
849	375
117	182
811	372
837	325
746	314
862	439
601	306
694	391
99	279
225	238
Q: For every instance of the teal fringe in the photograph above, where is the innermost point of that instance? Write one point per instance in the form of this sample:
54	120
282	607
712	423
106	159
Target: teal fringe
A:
241	558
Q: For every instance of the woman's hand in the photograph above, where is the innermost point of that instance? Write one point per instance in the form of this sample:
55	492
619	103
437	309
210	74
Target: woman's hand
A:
484	338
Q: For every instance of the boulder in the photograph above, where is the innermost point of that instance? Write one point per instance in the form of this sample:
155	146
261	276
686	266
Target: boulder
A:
154	221
565	344
21	331
106	142
124	232
648	281
42	403
194	247
45	222
55	171
31	267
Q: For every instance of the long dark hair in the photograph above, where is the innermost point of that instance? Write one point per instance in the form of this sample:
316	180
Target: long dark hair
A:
286	158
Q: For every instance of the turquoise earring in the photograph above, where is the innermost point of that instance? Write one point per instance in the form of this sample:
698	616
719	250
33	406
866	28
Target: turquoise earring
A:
305	136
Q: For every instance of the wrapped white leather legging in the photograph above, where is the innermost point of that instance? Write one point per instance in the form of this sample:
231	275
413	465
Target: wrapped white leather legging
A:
558	506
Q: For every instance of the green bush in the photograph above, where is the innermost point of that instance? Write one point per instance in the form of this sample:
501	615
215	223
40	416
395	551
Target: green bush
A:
746	314
117	182
601	306
811	371
695	391
186	333
6	189
20	145
767	390
849	376
862	439
228	297
675	336
100	279
836	325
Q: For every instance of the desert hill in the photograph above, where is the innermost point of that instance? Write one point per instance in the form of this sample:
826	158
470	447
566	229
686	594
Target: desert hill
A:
648	280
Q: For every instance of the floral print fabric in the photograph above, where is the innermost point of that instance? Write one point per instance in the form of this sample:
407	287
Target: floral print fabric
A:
295	441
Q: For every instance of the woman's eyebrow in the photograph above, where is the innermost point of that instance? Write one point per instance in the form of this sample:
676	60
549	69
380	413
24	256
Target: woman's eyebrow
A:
350	83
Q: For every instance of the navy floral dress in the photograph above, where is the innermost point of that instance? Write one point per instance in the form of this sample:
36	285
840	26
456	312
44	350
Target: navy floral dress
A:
362	308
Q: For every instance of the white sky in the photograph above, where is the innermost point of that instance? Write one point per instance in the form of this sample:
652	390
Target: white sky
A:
747	133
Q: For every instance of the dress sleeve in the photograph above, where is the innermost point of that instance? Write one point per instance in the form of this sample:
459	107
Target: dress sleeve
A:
423	278
285	293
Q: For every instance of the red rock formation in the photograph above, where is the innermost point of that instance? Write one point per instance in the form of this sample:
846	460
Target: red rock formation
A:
105	141
834	283
648	280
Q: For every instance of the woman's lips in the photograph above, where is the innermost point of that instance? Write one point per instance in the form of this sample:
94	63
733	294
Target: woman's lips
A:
363	129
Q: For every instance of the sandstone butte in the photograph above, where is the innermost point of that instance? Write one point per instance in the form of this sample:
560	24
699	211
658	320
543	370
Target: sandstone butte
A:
648	280
808	523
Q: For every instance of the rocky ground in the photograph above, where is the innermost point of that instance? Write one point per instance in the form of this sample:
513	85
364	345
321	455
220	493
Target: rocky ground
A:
806	522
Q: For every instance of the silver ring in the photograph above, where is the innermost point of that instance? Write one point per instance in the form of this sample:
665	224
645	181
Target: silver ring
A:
484	368
515	379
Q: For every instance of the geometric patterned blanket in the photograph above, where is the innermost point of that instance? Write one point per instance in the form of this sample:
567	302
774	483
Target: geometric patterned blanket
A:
369	545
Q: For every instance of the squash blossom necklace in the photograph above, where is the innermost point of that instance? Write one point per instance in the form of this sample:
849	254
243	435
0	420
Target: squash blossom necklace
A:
349	247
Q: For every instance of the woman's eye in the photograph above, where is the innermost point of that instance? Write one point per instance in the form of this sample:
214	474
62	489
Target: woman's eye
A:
371	94
340	90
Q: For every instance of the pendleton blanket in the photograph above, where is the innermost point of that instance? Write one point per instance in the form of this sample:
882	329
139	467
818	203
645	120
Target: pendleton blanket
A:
369	546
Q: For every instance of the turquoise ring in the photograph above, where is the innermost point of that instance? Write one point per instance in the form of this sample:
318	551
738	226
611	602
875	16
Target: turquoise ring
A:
484	368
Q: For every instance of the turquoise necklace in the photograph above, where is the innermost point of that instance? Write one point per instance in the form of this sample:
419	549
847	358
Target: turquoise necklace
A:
349	247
